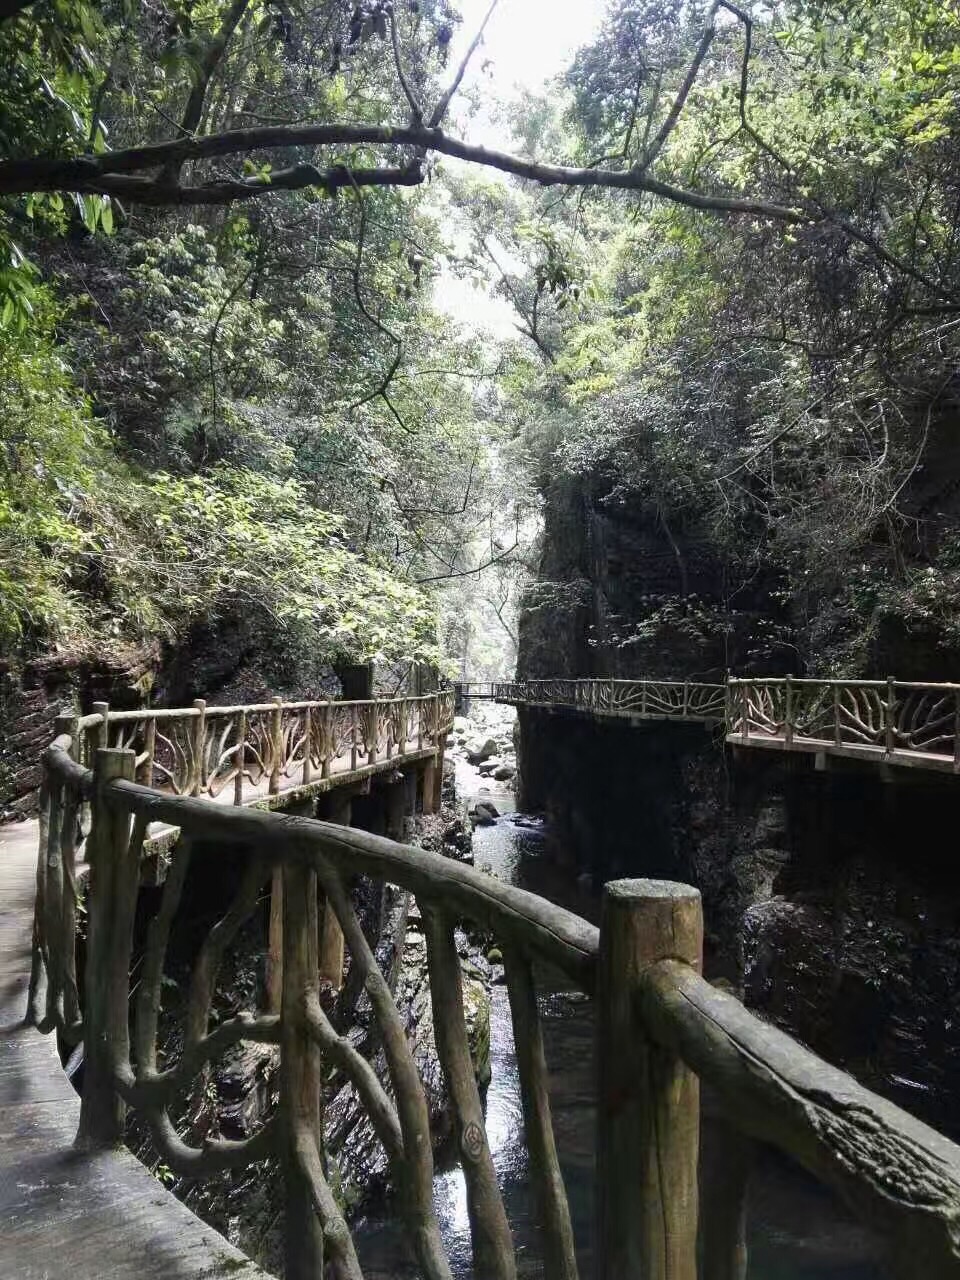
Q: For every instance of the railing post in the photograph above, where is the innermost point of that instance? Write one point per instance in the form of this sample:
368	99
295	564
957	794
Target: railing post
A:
149	749
744	713
956	731
101	709
326	729
336	806
199	747
788	712
275	949
241	759
686	699
276	745
643	697
301	1076
837	731
889	716
307	744
114	882
648	1101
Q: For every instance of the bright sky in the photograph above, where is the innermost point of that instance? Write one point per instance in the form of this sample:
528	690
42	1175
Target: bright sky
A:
526	42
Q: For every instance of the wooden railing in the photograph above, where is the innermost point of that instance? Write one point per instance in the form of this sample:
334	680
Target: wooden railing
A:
887	721
902	722
661	1029
243	753
634	699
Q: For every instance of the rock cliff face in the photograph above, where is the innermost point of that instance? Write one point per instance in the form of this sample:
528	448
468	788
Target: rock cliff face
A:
605	565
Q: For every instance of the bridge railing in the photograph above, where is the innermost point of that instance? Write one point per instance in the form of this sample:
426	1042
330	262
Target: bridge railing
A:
646	699
897	721
262	748
661	1029
900	721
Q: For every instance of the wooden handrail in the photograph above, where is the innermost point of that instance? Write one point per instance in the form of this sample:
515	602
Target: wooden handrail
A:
660	1028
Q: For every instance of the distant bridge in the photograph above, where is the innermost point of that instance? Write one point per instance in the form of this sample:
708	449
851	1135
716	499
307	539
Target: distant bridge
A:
897	722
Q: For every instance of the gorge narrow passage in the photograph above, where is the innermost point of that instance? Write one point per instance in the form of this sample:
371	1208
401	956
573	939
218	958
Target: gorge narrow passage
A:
796	1230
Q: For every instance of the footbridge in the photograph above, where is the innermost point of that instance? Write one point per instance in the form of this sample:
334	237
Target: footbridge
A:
233	788
886	722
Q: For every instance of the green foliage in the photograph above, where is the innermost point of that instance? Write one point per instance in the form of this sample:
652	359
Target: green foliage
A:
93	552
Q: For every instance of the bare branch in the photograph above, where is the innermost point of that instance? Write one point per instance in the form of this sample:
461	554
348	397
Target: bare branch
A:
440	110
101	172
416	110
193	112
466	573
679	102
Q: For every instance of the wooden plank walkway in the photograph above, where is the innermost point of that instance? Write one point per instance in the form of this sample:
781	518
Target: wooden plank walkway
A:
62	1213
103	1215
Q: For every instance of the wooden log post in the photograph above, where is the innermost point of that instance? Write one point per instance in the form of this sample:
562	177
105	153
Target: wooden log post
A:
890	718
493	1252
327	747
276	746
744	713
301	1077
307	746
114	883
145	769
274	974
240	759
198	745
648	1104
429	786
559	1253
336	807
273	977
101	733
788	712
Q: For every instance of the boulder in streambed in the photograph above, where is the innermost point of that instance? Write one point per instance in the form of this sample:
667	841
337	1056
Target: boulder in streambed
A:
477	754
484	813
504	772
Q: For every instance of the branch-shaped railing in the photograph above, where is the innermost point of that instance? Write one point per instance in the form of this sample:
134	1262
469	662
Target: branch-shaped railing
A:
633	699
661	1029
904	722
888	721
242	753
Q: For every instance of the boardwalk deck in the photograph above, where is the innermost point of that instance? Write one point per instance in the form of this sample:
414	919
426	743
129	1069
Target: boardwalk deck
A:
63	1213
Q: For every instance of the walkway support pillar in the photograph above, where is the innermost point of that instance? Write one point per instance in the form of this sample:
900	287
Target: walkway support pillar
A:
336	807
649	1101
114	884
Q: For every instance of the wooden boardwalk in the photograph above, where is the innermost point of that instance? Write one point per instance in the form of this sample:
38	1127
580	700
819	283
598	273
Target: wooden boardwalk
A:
103	1215
63	1213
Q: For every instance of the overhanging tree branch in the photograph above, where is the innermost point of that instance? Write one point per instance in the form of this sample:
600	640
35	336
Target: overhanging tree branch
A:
100	173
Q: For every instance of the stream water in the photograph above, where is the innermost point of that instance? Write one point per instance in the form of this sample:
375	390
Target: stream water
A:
796	1232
